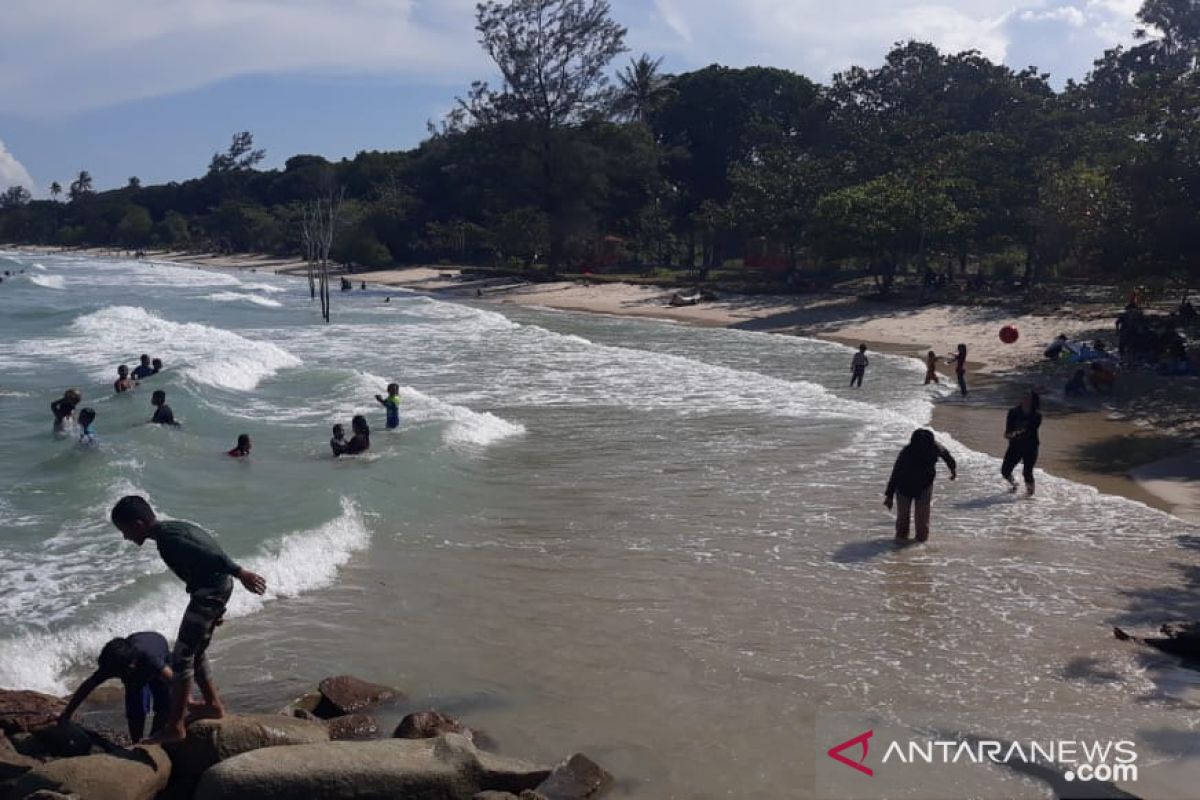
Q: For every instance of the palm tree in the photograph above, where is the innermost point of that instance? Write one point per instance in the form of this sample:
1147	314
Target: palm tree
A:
55	190
642	88
81	186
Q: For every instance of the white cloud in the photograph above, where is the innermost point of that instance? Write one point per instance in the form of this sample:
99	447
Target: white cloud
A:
1068	14
62	56
13	172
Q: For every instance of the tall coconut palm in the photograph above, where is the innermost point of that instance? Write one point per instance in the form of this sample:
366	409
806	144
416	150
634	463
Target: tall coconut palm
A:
642	88
55	190
81	186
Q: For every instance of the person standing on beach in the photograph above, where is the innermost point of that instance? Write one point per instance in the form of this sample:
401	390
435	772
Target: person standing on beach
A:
196	558
140	662
1021	431
858	366
931	375
392	404
911	484
960	368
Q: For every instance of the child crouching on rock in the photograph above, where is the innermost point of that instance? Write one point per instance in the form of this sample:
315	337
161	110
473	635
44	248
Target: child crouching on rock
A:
196	558
140	661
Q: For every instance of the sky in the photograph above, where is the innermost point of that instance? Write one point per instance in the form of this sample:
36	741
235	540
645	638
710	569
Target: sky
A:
152	88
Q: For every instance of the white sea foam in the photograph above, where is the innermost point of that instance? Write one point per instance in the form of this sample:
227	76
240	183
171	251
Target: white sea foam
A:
41	267
263	287
48	281
211	356
238	297
295	563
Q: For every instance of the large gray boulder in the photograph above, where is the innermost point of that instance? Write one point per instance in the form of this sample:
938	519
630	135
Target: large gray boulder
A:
345	694
445	768
137	774
210	741
13	764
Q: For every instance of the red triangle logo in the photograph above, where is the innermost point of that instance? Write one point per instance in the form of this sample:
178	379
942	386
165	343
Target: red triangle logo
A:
863	740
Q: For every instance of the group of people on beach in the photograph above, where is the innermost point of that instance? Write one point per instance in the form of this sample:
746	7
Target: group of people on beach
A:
910	488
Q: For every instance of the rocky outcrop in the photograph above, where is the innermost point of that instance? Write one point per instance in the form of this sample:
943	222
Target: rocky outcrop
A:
22	711
446	768
353	728
427	725
210	741
137	774
346	694
577	778
13	764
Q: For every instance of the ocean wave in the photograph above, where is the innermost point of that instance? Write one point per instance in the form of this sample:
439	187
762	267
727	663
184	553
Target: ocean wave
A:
263	287
294	564
48	281
211	356
236	297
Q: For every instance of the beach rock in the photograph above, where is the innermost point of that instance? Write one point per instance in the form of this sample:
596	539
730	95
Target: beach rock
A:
446	768
300	713
353	728
428	724
46	794
137	774
64	741
22	710
577	778
12	763
346	694
210	741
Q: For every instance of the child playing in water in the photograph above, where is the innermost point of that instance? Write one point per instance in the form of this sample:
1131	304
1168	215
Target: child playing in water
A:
243	447
392	404
143	370
931	375
140	662
163	415
123	383
87	430
338	443
910	489
63	409
196	558
858	366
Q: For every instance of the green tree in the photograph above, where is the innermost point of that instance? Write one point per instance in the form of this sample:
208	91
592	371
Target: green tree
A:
641	89
55	190
15	197
134	228
81	187
239	157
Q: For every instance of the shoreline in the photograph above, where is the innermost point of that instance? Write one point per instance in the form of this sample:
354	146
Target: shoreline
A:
1100	446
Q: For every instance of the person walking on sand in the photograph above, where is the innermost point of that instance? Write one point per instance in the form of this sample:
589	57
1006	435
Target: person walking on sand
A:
858	366
911	483
931	375
1021	431
196	558
960	368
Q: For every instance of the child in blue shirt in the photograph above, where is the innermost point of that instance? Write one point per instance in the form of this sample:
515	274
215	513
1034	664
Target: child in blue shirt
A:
392	404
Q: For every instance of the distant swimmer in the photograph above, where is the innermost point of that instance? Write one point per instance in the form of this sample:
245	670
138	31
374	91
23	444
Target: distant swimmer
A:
1021	430
163	415
156	365
87	428
64	409
243	447
392	404
338	443
195	557
144	369
931	375
139	661
123	383
912	479
858	366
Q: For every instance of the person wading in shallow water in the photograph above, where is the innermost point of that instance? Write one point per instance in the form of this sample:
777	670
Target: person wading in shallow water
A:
931	375
911	484
1021	429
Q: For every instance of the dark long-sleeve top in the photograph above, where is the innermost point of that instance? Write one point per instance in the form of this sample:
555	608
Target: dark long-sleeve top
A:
915	470
193	555
1024	426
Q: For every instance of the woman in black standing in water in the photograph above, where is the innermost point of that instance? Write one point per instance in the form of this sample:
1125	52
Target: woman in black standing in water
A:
960	368
1021	430
912	482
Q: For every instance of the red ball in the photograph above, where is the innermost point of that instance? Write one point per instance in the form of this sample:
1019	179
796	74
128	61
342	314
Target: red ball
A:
1009	334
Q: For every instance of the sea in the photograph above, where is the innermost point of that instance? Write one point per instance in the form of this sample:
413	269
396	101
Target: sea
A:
660	545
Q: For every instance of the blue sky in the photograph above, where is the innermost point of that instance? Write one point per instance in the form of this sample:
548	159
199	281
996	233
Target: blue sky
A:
154	87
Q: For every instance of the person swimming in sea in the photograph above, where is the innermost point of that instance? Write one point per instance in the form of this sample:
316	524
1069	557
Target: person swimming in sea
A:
392	404
360	442
144	369
242	449
123	383
87	427
156	365
63	409
338	443
163	415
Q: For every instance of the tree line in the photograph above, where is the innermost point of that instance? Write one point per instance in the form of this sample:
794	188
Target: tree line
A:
932	161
